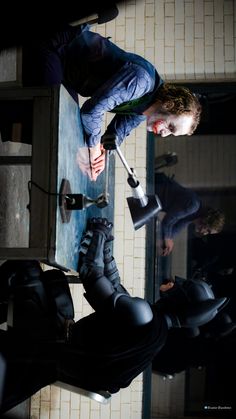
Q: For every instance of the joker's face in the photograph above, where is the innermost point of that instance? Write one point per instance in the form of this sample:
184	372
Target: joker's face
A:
165	124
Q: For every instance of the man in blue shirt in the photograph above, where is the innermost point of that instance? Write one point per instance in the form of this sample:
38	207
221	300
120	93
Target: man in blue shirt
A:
182	206
116	81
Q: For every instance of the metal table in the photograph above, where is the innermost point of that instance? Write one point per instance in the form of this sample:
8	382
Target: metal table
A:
58	152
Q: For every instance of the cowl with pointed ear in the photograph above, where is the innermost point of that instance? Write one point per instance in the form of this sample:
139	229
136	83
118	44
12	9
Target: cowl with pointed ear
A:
221	326
190	303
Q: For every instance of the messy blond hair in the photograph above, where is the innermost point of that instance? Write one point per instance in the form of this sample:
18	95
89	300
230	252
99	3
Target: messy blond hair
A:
213	219
179	100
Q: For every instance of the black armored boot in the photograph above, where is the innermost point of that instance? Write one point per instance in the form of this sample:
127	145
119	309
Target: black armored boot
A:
100	277
110	267
91	266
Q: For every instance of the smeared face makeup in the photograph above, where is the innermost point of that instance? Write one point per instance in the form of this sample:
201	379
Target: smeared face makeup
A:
201	230
168	124
156	127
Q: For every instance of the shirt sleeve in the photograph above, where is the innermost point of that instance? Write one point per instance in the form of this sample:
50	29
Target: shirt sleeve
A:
122	125
132	81
174	221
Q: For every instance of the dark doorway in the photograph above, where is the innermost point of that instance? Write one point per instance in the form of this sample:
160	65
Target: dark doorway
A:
209	391
218	102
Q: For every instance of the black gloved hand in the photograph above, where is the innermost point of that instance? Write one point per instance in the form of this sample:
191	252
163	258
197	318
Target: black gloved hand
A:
101	225
92	244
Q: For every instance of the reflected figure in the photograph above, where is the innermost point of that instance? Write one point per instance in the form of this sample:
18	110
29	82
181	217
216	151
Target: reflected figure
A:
194	347
212	352
181	207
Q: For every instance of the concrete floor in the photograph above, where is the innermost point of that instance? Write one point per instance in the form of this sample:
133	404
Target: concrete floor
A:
14	221
14	216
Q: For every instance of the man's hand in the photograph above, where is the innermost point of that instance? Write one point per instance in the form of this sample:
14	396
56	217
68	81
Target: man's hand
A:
167	285
91	252
164	247
83	161
97	161
167	247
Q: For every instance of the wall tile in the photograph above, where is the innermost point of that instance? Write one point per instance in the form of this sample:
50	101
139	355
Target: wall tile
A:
199	30
208	8
189	31
189	54
170	9
219	10
139	31
229	7
149	32
179	31
179	11
120	33
229	53
179	57
188	9
169	31
159	11
219	30
219	56
199	10
169	54
149	9
129	34
229	30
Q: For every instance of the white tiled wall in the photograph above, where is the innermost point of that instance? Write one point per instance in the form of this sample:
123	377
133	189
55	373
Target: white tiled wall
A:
186	40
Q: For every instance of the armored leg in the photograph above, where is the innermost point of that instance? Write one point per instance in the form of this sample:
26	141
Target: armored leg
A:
101	280
110	267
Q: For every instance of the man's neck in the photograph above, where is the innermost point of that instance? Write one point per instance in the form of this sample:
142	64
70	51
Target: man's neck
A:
154	108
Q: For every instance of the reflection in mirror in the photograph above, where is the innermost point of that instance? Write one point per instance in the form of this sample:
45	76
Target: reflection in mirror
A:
190	375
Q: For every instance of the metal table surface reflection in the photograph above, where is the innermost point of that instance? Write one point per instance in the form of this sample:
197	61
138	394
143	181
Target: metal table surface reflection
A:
73	159
58	152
